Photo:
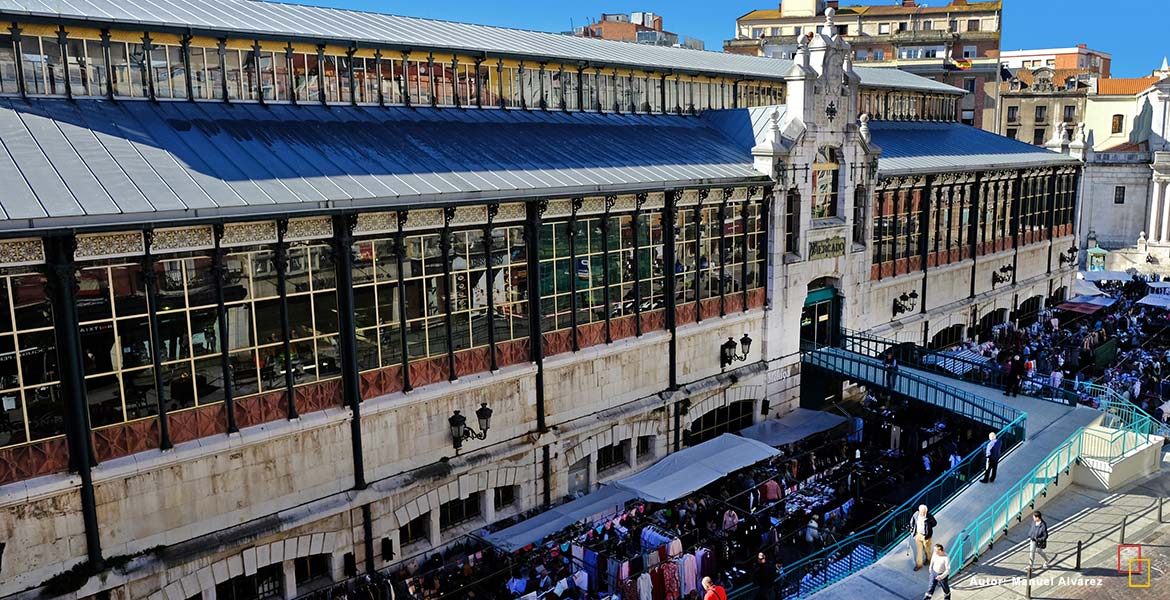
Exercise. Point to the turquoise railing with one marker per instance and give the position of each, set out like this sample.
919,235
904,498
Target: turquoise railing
1129,429
862,548
872,371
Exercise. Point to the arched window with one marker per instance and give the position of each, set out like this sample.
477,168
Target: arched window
1118,123
826,182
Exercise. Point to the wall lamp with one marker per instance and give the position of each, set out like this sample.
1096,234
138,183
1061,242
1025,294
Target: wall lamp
1003,275
905,303
461,432
727,354
1069,256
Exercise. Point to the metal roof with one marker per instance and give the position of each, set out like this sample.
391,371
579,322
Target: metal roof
917,147
746,126
250,18
96,163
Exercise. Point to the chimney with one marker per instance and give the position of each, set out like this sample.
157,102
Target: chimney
908,4
1082,46
657,23
833,4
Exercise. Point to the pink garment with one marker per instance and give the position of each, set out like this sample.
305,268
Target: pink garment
690,571
771,491
730,520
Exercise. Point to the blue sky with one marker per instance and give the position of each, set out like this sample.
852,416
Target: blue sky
1133,31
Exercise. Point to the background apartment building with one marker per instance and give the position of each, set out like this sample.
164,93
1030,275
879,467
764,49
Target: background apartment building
640,27
957,44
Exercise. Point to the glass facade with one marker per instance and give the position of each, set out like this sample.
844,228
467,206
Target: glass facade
239,70
31,406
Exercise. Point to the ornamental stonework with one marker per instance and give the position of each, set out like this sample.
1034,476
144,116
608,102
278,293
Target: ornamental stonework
309,228
624,203
425,218
655,200
21,252
381,222
246,234
688,198
592,206
470,215
109,245
558,208
182,238
513,211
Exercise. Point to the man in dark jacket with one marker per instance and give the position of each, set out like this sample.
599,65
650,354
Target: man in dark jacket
991,452
922,526
890,363
1015,375
764,576
1038,540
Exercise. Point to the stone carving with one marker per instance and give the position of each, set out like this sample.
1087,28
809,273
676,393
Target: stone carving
309,228
381,222
429,218
243,234
511,212
22,252
182,238
108,245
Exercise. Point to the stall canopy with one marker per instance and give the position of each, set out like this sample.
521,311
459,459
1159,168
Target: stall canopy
688,470
1161,287
1086,288
669,479
605,502
1158,300
792,427
1086,309
959,362
1106,276
1102,301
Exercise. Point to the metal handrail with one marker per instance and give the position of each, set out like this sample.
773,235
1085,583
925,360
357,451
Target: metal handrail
1132,429
860,549
873,371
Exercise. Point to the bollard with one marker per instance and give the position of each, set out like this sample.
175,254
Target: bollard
1028,584
1078,555
1124,520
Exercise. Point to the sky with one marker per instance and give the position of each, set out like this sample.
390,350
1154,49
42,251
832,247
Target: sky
1133,31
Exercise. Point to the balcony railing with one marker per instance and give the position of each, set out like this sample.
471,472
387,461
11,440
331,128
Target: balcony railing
1125,158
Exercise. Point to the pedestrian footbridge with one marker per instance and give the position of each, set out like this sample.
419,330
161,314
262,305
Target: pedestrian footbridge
1043,437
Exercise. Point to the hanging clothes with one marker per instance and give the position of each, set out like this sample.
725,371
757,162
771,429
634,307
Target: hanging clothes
630,590
645,587
670,579
771,491
675,547
730,520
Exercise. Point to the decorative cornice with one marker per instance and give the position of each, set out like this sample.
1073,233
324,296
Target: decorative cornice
110,245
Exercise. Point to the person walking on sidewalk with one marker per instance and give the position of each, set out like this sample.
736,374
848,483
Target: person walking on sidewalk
922,526
1016,372
991,452
940,573
1038,540
891,365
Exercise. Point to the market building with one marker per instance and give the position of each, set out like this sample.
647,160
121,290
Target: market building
298,292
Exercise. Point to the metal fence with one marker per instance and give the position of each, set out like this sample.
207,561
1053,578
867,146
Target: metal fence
861,549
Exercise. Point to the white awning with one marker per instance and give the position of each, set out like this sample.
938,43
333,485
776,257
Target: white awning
688,470
792,427
1158,300
1106,276
601,504
1094,300
1162,287
1086,288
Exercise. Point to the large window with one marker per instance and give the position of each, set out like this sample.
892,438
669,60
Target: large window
312,312
792,222
459,511
416,530
1118,124
188,332
504,497
253,316
115,343
826,183
264,584
1119,194
31,406
613,456
727,419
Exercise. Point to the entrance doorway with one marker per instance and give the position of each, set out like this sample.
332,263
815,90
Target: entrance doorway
820,321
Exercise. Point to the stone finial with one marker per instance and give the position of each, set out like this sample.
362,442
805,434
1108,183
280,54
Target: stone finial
774,127
1081,135
863,129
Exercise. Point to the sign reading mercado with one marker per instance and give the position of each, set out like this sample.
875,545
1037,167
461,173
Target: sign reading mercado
826,248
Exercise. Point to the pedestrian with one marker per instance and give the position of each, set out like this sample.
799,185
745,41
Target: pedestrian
812,531
1038,540
764,577
713,592
1015,375
922,526
1055,379
891,365
940,573
991,452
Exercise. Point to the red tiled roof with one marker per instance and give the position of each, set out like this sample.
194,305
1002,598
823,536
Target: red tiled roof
1124,86
1128,147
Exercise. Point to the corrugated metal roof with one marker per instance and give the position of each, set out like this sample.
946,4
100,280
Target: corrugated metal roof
251,17
915,147
94,163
